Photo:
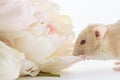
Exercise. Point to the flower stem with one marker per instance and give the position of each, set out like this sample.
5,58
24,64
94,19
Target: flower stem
48,74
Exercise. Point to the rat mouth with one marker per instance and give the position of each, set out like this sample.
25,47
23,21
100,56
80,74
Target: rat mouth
81,55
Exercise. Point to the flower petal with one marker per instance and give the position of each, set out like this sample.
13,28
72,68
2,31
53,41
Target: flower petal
57,64
10,62
29,68
16,15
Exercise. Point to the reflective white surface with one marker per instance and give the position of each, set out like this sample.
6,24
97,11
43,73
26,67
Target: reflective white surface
89,70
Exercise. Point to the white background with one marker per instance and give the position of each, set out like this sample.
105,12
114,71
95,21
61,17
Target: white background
84,12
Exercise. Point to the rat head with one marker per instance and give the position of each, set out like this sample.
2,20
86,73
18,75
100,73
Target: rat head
89,40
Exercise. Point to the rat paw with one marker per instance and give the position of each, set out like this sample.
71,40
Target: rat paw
117,68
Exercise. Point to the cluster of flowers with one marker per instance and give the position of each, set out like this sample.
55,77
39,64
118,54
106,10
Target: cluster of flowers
34,37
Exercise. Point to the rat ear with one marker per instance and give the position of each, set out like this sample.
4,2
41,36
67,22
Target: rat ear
99,31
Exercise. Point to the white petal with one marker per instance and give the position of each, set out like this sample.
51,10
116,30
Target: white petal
66,48
29,68
15,15
47,7
62,25
57,64
10,62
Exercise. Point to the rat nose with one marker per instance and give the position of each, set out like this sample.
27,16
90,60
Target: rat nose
80,54
83,57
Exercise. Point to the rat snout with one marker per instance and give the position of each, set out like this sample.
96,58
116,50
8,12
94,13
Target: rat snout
77,53
80,54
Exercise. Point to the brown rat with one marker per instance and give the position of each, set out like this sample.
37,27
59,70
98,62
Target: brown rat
99,41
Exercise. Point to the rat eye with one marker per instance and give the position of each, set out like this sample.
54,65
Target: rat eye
82,42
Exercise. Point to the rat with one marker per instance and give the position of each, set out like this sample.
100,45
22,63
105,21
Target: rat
99,41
